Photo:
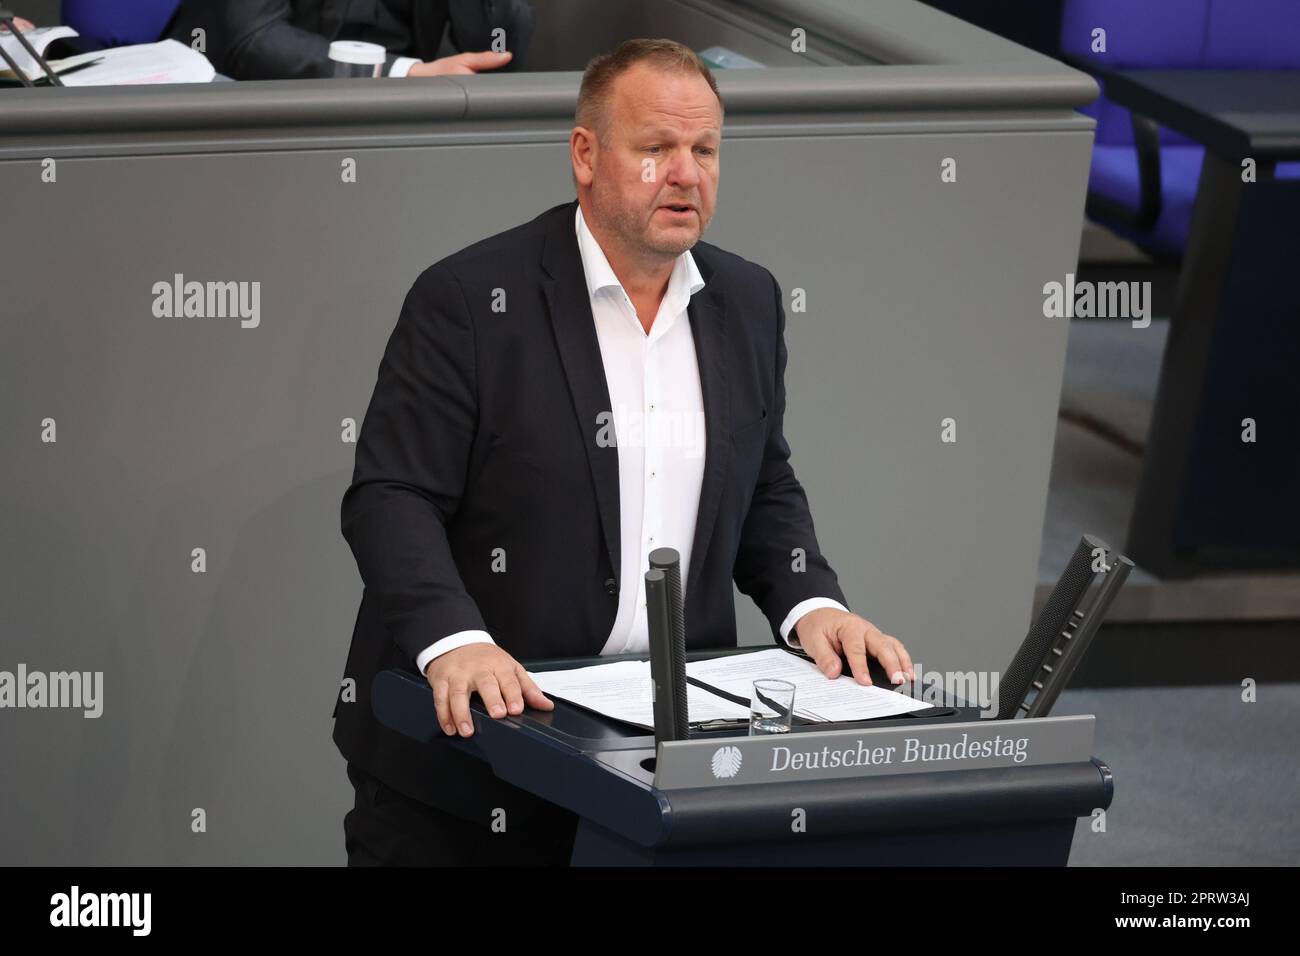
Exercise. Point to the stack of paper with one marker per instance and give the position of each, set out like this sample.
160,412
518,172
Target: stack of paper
623,690
164,62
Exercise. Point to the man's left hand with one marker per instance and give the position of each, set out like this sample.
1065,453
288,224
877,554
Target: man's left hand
828,632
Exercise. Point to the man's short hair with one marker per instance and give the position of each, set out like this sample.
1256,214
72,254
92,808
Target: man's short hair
599,76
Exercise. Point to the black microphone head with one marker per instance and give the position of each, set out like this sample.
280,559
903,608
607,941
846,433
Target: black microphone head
664,558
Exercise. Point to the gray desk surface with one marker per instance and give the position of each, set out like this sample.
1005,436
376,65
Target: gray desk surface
1235,113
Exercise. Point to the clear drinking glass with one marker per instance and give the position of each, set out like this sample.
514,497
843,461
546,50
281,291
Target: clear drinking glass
771,707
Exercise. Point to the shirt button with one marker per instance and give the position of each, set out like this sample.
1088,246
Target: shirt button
611,586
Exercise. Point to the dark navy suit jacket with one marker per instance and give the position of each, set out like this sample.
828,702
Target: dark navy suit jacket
482,434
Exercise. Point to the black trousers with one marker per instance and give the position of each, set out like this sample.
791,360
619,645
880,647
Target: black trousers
387,828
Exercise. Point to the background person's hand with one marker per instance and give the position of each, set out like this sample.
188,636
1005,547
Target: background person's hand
488,670
22,25
461,63
827,632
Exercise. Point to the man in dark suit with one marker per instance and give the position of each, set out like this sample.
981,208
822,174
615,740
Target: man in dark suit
495,514
289,39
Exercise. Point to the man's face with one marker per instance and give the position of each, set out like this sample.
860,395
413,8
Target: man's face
661,151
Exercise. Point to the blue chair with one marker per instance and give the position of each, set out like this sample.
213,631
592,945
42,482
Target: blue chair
1143,179
119,22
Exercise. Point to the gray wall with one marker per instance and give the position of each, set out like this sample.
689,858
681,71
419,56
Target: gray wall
924,301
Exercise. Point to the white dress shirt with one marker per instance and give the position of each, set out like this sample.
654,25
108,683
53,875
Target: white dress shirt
402,66
658,425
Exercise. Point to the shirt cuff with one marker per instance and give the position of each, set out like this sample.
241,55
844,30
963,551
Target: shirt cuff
450,643
788,633
402,65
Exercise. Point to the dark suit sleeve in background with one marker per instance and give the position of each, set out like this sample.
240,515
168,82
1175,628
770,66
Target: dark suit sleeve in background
273,39
779,521
472,23
255,40
411,464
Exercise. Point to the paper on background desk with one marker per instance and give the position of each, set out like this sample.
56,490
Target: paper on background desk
621,689
163,62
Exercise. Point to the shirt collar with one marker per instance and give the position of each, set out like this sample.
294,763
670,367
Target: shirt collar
684,282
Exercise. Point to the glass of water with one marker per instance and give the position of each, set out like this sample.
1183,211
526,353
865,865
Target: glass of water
771,707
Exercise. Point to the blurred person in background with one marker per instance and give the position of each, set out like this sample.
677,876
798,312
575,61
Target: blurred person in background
290,39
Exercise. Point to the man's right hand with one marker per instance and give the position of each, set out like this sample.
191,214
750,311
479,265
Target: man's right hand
461,64
497,677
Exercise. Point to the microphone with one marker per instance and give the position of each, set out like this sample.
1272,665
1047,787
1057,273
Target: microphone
666,620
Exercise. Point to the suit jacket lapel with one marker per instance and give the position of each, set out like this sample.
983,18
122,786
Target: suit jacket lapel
707,312
575,336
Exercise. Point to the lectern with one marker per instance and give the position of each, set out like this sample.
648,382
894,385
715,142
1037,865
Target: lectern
643,806
944,785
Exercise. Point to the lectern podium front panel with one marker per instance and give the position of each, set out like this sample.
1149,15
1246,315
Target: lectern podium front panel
605,771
